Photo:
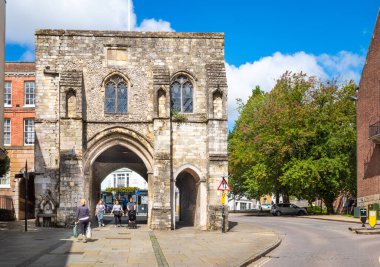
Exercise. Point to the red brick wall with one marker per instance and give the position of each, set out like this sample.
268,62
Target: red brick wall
17,113
18,74
368,113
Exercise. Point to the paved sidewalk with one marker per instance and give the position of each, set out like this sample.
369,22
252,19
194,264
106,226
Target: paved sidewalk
338,218
112,246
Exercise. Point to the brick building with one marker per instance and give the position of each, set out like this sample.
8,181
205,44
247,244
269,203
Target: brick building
2,61
368,125
19,114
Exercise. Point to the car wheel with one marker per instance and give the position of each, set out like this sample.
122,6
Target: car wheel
278,213
301,213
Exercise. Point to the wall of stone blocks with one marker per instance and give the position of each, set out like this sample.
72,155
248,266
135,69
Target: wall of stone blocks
147,62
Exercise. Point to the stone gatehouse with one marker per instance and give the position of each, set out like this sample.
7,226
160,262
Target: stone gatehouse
155,103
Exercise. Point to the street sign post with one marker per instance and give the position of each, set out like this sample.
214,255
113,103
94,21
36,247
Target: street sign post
137,193
223,186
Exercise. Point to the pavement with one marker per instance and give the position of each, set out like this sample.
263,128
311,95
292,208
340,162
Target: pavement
120,246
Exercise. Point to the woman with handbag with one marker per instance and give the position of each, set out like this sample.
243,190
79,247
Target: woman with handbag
83,218
117,211
99,211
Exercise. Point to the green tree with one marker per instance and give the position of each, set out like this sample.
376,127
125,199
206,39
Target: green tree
299,139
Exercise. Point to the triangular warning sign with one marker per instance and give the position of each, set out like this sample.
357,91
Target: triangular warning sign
224,185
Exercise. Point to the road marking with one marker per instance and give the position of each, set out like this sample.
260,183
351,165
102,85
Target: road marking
379,259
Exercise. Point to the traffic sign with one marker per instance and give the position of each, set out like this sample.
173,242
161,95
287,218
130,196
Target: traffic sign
137,192
224,185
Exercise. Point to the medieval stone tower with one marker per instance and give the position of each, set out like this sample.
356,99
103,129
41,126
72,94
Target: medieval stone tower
153,102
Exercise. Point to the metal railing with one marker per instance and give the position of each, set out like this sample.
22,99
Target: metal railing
374,129
6,203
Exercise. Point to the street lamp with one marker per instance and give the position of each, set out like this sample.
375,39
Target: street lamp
25,176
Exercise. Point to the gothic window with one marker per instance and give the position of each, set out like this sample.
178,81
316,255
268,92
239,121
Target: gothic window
116,95
181,91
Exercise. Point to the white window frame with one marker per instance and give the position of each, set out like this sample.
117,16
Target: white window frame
6,178
5,93
10,132
34,132
25,93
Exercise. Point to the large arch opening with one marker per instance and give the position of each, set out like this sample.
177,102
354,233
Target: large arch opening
111,150
117,164
188,202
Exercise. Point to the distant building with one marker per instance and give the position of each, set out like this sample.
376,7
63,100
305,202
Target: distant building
368,125
19,114
237,203
124,178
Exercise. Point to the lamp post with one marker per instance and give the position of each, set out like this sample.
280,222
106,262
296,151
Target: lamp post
113,194
25,176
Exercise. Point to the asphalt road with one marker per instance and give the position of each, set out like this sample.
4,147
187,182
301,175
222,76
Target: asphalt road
308,242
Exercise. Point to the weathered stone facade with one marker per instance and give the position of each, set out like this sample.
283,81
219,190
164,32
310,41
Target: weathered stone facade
78,143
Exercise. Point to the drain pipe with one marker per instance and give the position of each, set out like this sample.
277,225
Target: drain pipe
172,184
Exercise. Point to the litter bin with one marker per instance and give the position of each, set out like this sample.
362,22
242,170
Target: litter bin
363,216
357,212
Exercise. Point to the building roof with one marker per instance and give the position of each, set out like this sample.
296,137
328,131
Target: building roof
20,67
92,33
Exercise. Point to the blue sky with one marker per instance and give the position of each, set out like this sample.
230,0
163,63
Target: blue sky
264,38
257,28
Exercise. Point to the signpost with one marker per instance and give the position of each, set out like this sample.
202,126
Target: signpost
137,193
223,186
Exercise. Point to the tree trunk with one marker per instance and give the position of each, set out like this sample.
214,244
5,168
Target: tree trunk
330,207
277,197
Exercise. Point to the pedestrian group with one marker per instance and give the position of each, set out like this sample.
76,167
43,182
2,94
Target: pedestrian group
83,216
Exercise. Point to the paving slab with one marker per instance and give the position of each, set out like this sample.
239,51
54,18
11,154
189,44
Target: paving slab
109,246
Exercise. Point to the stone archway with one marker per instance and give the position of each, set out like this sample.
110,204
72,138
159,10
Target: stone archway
111,150
188,184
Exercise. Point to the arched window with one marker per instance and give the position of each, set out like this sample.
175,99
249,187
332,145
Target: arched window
71,104
181,91
116,95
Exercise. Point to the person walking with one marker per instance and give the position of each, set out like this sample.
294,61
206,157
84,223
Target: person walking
83,218
131,207
99,211
117,211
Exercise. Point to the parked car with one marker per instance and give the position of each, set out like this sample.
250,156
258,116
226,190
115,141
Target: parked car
287,209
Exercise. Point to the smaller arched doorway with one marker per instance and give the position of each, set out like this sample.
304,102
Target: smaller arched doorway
187,183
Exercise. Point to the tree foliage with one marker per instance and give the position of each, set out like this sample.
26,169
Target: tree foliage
299,140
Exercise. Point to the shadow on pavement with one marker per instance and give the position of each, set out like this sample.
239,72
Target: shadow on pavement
232,224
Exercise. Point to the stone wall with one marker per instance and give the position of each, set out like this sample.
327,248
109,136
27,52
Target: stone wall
80,63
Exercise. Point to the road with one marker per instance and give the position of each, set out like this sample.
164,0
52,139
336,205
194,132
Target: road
308,242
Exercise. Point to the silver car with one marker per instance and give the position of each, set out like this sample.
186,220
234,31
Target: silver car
287,209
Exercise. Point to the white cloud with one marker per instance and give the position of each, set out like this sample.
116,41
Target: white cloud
152,25
265,71
25,16
28,56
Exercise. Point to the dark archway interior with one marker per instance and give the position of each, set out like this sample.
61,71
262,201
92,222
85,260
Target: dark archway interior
187,185
112,159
